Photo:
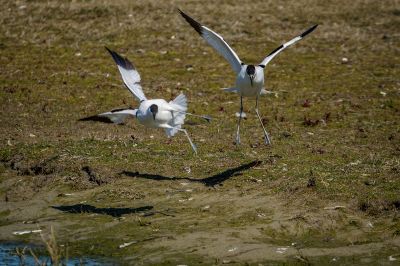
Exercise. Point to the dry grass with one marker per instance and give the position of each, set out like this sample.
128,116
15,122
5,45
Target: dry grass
334,125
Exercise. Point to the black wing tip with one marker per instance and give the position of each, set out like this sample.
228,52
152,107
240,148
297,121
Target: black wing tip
309,30
121,61
112,53
108,49
196,25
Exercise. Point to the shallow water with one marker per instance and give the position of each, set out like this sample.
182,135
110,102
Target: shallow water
8,257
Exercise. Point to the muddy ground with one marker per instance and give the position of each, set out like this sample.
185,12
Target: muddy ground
326,192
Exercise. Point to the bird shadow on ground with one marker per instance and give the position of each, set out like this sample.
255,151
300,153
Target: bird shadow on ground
210,181
114,212
96,118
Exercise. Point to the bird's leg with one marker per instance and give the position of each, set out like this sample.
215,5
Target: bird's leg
267,140
205,117
190,141
240,118
173,118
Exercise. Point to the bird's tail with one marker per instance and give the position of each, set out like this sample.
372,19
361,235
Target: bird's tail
179,104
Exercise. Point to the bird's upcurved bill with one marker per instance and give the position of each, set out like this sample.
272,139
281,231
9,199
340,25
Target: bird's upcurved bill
251,79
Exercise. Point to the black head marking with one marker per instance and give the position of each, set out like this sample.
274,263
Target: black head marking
250,70
154,110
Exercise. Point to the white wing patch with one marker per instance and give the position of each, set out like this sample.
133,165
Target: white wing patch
219,44
118,117
129,74
216,41
179,104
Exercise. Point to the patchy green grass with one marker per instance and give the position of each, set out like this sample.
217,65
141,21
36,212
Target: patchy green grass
334,125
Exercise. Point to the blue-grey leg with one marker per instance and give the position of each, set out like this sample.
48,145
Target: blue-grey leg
240,118
190,140
267,140
186,133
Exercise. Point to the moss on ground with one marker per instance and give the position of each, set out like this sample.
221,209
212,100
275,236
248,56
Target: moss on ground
333,117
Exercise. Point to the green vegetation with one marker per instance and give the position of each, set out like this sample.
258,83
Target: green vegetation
333,118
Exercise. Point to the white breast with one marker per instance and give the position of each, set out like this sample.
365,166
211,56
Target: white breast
145,116
244,85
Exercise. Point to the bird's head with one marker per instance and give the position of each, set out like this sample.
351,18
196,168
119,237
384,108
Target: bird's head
251,72
154,109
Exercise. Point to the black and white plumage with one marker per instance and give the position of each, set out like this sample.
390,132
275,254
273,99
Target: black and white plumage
116,116
129,74
154,113
249,78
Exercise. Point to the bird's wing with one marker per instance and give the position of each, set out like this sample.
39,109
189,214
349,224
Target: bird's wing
179,103
287,44
129,74
216,41
117,116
